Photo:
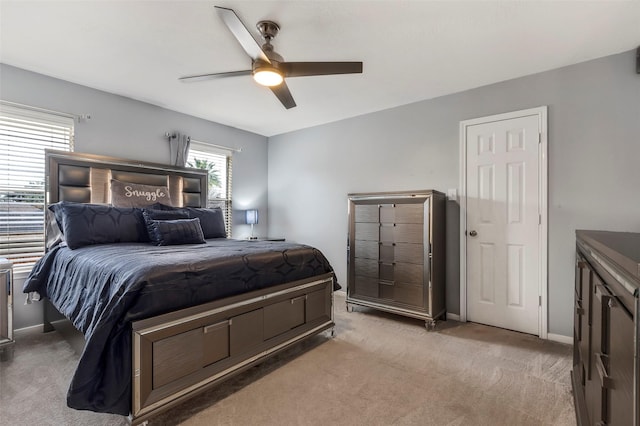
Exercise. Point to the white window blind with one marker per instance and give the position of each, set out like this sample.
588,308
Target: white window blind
24,135
218,162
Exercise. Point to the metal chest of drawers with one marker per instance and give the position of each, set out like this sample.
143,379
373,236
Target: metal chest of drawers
396,253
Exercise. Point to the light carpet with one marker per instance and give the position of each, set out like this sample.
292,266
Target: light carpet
380,369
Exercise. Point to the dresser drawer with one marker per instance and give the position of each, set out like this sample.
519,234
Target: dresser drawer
409,294
366,267
368,231
401,233
366,249
366,213
404,272
367,287
402,293
409,253
402,253
402,213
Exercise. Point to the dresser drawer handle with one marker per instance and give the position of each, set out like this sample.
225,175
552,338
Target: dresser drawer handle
582,264
579,310
606,381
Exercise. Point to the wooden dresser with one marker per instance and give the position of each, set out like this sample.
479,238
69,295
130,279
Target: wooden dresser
396,252
606,334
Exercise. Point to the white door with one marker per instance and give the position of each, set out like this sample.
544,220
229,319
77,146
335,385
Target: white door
503,218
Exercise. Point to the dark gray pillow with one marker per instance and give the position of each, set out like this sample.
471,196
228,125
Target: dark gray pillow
211,220
156,214
149,215
127,194
88,224
172,232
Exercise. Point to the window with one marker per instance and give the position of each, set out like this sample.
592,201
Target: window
24,135
218,162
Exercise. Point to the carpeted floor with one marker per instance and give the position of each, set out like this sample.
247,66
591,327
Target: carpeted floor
380,369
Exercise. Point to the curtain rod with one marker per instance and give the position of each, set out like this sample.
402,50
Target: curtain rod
77,117
228,148
218,146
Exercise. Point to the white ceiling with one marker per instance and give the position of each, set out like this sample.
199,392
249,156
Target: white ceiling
412,50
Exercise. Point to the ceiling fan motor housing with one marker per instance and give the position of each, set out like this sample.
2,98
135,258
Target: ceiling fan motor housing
268,30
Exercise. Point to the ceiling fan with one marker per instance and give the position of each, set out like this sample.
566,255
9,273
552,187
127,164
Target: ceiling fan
268,67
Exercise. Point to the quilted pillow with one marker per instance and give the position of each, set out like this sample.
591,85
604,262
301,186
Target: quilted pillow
126,194
150,215
156,214
211,220
88,224
171,232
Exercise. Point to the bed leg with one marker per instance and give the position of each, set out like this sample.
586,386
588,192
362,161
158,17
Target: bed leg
332,332
48,315
349,307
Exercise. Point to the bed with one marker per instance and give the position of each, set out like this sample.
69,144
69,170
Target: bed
164,318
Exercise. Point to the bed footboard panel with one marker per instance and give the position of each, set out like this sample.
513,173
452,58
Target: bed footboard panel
181,353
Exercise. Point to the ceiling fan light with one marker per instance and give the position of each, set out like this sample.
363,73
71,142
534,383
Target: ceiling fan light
268,77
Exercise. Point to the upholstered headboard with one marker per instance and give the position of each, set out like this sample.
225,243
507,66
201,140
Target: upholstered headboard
85,178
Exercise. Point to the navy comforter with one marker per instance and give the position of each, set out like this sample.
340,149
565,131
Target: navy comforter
102,288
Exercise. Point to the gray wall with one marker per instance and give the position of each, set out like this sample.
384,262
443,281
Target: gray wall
594,147
122,127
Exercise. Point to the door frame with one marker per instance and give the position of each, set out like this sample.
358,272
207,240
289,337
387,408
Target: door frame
541,112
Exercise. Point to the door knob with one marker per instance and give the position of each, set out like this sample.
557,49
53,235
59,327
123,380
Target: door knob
473,233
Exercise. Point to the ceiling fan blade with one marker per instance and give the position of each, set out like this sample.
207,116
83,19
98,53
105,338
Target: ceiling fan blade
202,77
303,69
240,32
284,95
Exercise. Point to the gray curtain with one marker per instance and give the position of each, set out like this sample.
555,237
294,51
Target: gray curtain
179,149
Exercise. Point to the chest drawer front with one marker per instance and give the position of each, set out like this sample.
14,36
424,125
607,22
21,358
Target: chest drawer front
410,273
408,233
367,287
402,253
366,213
409,253
366,249
366,268
368,231
402,213
401,233
409,294
409,213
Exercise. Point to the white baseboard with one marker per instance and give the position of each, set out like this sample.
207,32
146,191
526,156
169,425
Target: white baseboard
28,329
560,338
454,317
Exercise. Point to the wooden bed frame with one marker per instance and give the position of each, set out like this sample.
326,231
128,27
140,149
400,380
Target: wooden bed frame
180,354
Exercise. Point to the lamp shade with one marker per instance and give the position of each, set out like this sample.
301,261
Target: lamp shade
252,217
